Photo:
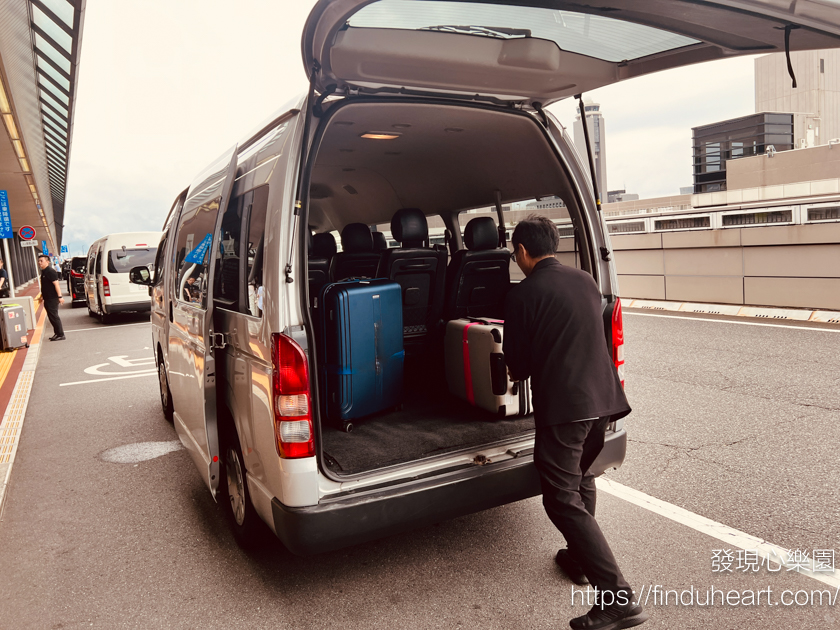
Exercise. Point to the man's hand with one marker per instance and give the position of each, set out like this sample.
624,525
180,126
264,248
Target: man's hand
510,376
60,300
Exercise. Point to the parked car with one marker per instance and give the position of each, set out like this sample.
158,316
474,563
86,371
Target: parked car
76,280
110,258
433,106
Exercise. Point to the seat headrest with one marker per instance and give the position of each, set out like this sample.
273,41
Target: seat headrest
323,246
379,242
481,234
356,239
409,227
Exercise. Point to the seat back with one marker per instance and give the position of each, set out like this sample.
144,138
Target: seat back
420,271
322,248
478,278
357,258
379,242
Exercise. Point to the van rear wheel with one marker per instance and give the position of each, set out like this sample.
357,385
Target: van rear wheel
248,529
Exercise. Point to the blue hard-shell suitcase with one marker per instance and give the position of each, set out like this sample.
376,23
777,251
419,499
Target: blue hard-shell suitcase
361,348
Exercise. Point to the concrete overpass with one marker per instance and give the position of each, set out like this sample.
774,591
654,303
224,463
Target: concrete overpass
40,43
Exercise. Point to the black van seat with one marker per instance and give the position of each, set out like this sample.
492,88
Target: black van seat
357,259
478,278
420,271
321,250
379,242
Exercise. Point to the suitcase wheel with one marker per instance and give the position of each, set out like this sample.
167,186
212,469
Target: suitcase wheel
347,427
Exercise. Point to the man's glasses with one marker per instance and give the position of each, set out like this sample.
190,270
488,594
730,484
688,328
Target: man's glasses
513,256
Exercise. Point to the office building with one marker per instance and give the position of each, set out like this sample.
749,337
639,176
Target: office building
736,138
815,100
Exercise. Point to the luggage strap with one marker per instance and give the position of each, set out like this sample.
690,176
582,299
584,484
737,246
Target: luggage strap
467,371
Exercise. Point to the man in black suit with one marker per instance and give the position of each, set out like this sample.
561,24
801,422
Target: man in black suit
554,335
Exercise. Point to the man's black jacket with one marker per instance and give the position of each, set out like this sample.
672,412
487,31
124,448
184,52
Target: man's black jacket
554,334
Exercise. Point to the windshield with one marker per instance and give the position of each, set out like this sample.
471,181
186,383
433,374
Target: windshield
122,260
592,35
78,264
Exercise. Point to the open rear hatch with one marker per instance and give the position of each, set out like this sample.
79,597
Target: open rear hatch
542,50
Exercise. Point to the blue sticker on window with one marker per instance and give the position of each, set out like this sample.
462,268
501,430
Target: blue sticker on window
198,255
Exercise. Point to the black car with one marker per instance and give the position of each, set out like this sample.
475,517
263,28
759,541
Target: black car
65,269
76,280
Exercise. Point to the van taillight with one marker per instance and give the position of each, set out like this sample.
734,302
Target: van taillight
618,340
290,393
106,288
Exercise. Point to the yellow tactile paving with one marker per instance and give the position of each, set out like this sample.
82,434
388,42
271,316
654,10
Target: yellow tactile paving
13,420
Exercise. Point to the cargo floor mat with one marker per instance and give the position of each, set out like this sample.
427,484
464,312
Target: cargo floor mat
427,425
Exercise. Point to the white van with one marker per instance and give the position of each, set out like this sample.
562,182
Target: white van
110,258
436,106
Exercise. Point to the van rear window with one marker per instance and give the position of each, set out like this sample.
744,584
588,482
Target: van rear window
78,264
122,260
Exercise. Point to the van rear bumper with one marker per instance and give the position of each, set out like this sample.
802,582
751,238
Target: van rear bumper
128,307
356,519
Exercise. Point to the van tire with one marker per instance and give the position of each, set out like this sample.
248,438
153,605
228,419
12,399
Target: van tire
248,530
105,318
165,393
90,312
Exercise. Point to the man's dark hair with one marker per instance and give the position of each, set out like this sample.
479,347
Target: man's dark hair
538,235
43,256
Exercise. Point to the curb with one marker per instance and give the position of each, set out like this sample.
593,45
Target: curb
12,423
761,312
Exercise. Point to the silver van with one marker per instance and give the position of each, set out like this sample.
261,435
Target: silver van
437,106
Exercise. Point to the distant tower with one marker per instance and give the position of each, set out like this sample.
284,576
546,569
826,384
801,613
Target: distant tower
597,137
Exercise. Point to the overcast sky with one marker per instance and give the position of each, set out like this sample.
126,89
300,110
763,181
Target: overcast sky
167,86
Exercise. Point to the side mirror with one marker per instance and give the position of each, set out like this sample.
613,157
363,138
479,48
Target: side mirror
140,275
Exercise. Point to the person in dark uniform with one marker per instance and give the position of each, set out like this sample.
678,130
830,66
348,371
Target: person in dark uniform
51,292
554,335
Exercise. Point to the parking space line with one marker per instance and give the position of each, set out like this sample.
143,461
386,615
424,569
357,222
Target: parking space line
728,321
728,535
67,330
111,378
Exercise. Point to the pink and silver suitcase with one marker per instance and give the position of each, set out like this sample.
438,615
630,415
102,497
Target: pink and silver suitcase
476,370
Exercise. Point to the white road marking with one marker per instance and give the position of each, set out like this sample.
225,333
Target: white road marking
139,452
122,361
728,535
113,378
727,321
67,330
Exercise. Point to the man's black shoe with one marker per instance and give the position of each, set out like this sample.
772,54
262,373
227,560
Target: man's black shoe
571,568
612,617
58,338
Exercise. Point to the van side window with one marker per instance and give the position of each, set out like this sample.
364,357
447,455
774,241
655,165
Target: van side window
193,252
97,269
255,244
228,267
159,260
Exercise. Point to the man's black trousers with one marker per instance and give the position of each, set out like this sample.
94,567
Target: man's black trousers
563,453
52,313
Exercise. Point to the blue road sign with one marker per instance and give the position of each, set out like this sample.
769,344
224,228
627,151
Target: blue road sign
5,216
44,248
65,249
27,232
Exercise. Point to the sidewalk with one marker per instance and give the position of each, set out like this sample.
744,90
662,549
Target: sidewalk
17,371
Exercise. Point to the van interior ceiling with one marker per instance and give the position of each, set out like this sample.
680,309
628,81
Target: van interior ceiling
375,158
